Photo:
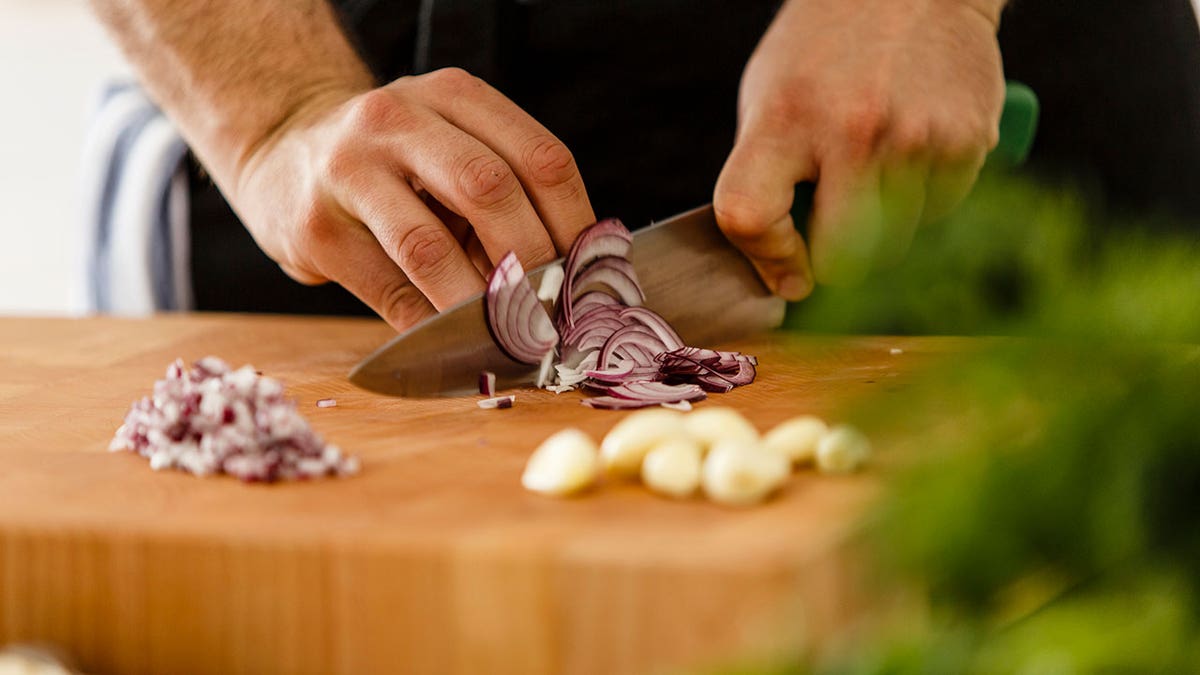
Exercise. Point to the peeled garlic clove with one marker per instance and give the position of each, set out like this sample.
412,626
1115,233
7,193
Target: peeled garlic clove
713,425
739,474
563,464
673,468
796,438
629,440
842,450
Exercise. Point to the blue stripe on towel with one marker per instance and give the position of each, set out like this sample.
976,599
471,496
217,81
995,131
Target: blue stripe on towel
101,295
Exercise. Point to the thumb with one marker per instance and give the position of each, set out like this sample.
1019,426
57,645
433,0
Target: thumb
753,201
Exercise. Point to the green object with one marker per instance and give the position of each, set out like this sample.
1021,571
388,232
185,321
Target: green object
1018,128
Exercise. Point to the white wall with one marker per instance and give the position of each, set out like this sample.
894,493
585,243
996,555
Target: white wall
53,59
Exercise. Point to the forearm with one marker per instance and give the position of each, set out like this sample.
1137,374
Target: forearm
232,72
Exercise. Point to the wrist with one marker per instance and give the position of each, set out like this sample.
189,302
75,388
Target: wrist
304,107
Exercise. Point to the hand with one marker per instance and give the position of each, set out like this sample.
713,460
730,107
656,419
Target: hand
409,193
890,106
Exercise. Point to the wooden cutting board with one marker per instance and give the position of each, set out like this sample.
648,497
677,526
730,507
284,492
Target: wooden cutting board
433,559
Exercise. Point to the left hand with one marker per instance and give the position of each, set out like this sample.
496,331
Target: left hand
890,106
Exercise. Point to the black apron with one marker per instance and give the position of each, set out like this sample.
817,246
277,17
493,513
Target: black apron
644,93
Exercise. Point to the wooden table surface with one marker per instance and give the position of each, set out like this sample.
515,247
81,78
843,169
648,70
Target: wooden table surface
433,559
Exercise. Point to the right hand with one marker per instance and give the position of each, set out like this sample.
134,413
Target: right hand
408,194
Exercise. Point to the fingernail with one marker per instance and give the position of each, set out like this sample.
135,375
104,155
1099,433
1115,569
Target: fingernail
794,287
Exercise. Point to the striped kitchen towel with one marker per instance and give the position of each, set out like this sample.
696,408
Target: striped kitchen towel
135,209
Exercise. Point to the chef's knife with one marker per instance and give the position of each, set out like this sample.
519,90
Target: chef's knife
690,273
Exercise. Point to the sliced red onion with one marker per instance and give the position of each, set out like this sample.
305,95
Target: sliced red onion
496,402
609,342
603,323
629,335
614,403
545,374
656,323
517,320
714,383
606,238
617,373
487,383
211,419
592,299
611,274
657,392
552,280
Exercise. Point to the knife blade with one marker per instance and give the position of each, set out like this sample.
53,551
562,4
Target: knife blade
692,276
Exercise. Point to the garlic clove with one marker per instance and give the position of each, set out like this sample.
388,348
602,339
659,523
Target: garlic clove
712,425
563,464
626,444
741,474
673,468
842,450
796,438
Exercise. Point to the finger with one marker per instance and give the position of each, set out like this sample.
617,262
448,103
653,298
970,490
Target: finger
543,165
847,225
949,184
902,187
477,255
351,256
413,237
469,178
753,200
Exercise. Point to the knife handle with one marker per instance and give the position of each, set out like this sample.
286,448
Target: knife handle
1018,128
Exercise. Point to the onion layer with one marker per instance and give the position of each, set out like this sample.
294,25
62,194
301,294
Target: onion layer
517,320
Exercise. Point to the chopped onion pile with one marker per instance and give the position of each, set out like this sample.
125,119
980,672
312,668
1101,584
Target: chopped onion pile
601,337
212,419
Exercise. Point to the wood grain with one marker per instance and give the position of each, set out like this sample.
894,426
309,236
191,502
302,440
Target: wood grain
433,559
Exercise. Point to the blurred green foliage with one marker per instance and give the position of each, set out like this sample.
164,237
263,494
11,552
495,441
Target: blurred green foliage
1047,507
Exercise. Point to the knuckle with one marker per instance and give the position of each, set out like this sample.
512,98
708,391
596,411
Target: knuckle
740,215
452,80
540,254
911,137
864,122
316,230
400,303
785,110
486,181
424,251
379,110
964,141
549,162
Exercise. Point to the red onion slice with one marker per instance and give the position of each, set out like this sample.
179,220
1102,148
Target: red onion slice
517,320
487,383
657,392
606,238
614,403
617,373
654,322
587,301
629,335
615,275
497,402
